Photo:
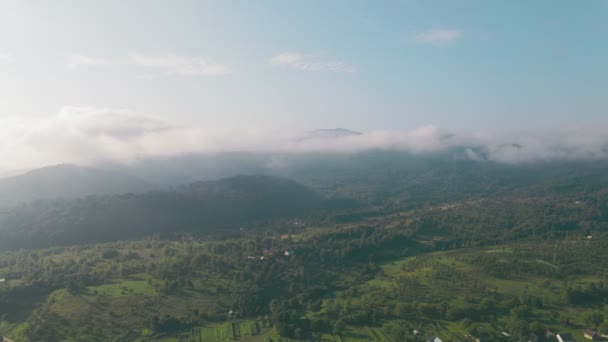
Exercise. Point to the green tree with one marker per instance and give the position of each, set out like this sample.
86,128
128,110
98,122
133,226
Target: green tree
603,328
594,318
518,328
537,327
338,327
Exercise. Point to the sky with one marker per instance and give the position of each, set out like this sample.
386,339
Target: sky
222,67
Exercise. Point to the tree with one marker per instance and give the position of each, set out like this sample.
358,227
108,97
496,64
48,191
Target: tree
537,327
110,253
521,312
73,287
603,328
338,327
400,310
594,318
518,328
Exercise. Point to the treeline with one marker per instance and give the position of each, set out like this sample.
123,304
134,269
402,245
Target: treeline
595,294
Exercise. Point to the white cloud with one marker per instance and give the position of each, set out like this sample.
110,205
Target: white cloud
310,62
5,57
82,60
288,58
85,135
168,64
88,134
568,144
439,37
180,65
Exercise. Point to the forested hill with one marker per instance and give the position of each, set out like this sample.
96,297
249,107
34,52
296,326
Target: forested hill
203,207
67,181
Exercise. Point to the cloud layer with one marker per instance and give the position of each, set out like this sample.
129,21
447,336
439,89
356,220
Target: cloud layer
168,64
87,135
310,62
439,37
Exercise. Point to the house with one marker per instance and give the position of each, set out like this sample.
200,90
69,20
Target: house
2,281
592,335
505,334
565,338
434,339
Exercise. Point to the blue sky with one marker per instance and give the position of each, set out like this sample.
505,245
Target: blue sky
460,65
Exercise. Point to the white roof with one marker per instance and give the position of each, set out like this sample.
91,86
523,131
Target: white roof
437,339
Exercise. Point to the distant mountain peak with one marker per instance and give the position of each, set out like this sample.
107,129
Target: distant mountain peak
328,133
338,131
57,168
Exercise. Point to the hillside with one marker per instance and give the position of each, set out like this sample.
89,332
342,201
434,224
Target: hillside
66,181
202,208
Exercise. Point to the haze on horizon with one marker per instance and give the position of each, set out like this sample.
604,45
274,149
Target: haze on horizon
117,80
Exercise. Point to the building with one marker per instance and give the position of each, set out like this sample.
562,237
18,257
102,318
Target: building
434,339
592,335
565,338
